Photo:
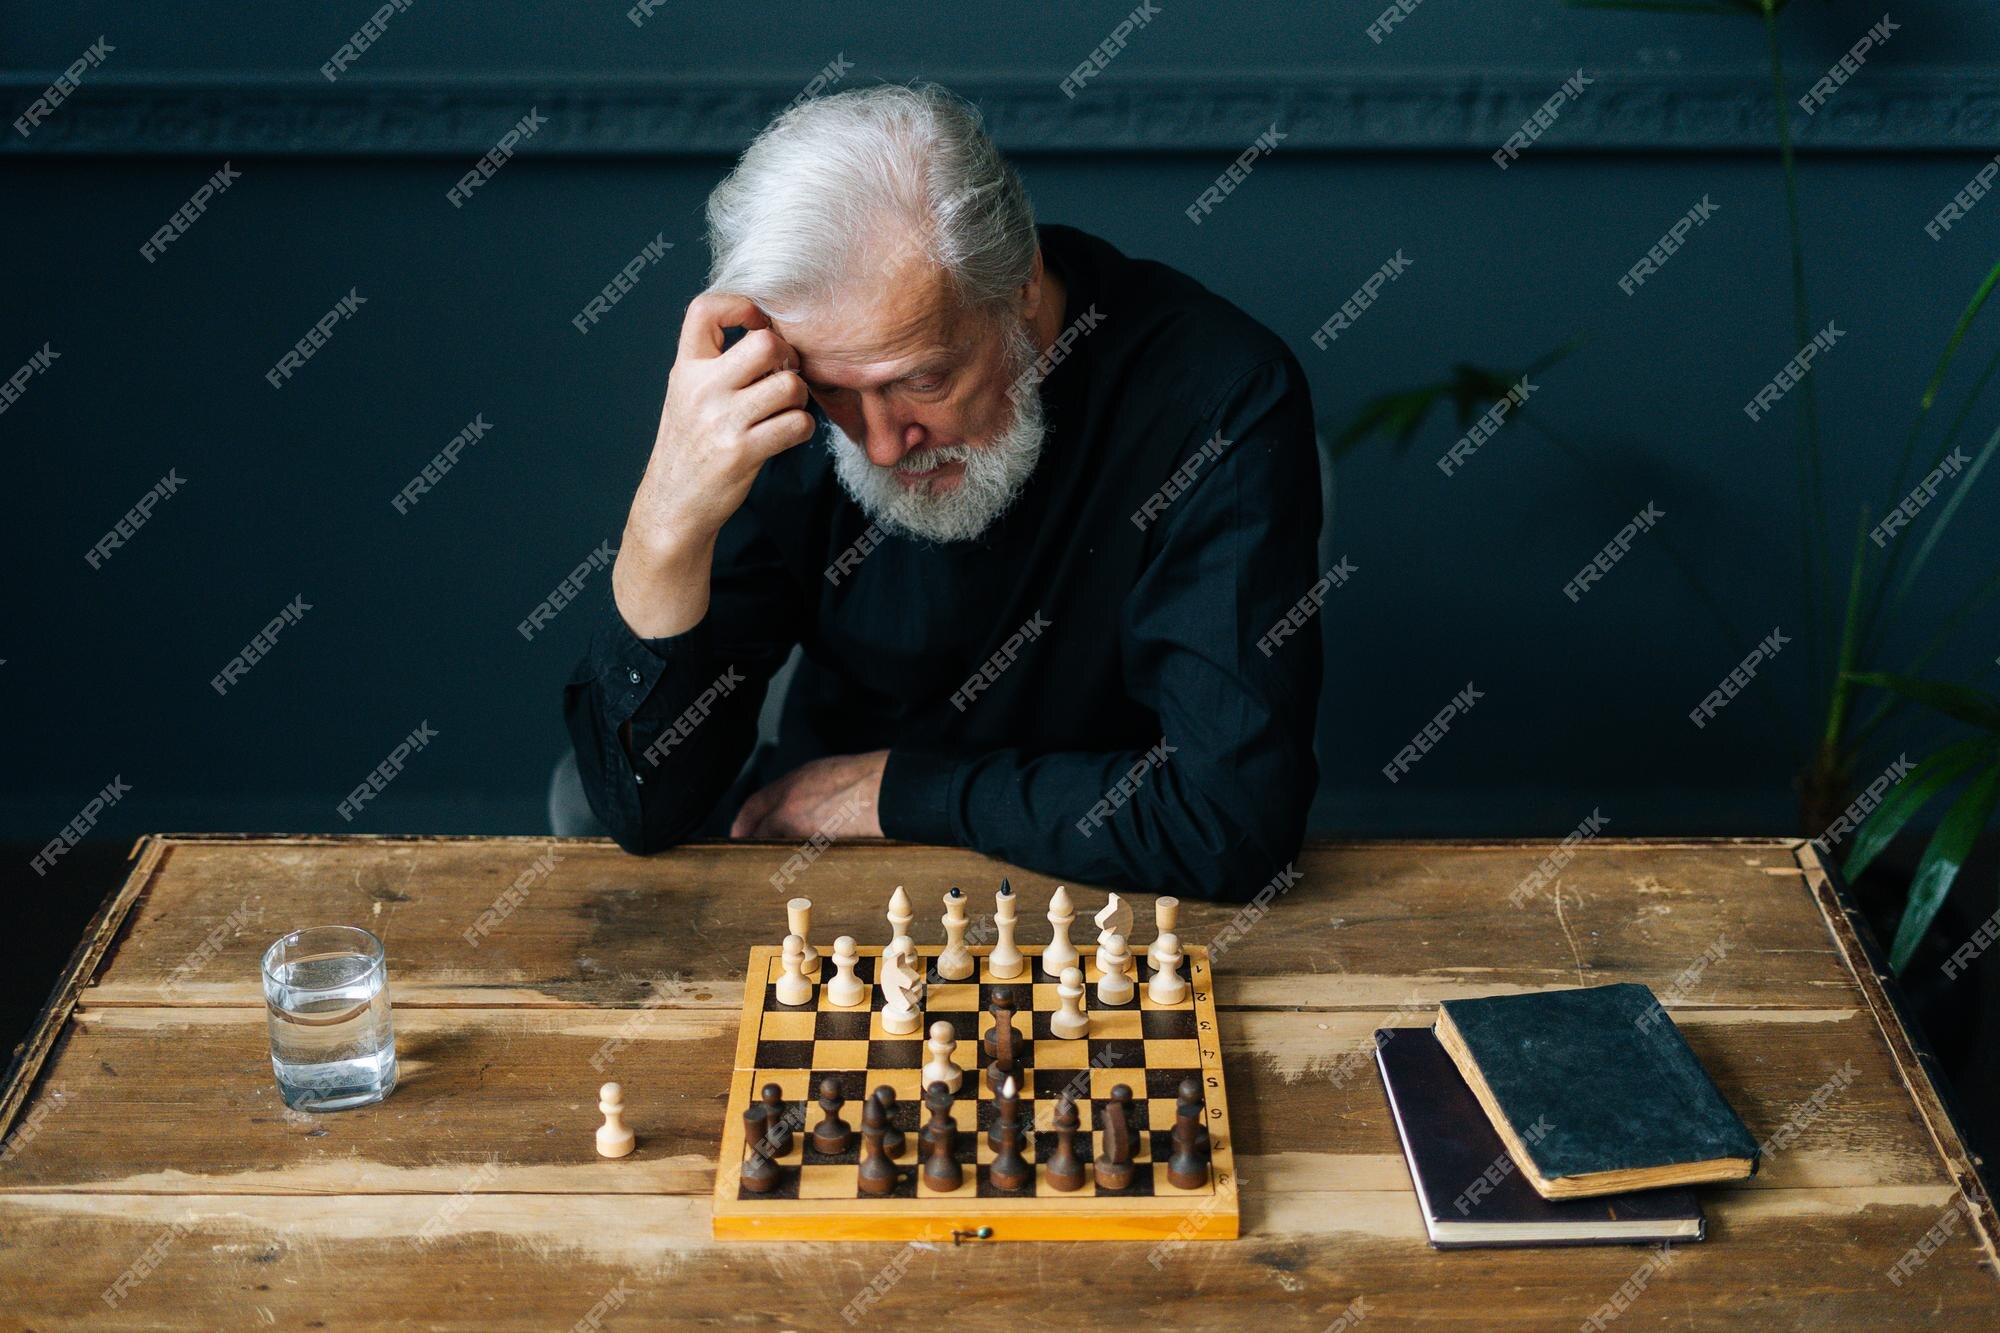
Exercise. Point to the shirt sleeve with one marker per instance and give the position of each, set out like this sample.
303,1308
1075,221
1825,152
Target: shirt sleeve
661,727
1218,641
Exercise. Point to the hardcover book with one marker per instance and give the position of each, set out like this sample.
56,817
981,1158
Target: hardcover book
1593,1091
1468,1187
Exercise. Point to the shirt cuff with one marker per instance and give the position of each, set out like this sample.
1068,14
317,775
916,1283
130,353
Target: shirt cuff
917,796
627,667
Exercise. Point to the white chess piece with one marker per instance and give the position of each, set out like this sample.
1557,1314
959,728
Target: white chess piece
1166,920
1115,985
955,963
901,990
1114,918
613,1138
846,990
1061,954
901,958
1005,960
798,919
1167,987
1070,1022
900,915
793,987
942,1069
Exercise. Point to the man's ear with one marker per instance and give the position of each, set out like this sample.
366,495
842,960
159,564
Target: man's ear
1033,290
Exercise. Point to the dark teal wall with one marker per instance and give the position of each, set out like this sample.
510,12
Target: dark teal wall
287,492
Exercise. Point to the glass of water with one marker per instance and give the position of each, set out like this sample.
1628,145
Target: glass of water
326,994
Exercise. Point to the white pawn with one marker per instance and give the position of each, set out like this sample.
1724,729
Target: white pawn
846,990
1167,920
1114,918
955,963
798,919
900,915
1166,987
942,1068
1070,1022
1114,986
902,990
1061,954
613,1138
1005,960
793,987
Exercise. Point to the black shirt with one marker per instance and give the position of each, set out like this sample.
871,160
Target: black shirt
1091,689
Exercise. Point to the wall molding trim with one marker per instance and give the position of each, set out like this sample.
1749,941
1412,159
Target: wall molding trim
1325,111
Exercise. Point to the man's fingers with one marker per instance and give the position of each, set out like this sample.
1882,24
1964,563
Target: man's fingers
708,315
768,397
754,809
757,354
781,432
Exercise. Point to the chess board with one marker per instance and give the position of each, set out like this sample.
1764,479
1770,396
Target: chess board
1149,1047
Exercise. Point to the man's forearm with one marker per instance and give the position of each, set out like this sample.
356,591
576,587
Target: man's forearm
662,589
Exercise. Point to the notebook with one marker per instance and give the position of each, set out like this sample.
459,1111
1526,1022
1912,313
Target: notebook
1593,1091
1467,1186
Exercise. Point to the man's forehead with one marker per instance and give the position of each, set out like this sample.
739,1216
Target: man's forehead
880,326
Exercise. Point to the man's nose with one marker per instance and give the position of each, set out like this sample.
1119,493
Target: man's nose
889,437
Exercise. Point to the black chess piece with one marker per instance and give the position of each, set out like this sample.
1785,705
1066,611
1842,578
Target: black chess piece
1191,1099
777,1123
831,1135
1114,1164
941,1169
1007,1111
1187,1168
1010,1170
877,1172
892,1137
1003,1043
1065,1168
937,1099
760,1173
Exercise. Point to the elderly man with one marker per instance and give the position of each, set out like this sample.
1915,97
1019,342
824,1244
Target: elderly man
1058,503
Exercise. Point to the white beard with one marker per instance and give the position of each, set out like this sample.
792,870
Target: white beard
995,472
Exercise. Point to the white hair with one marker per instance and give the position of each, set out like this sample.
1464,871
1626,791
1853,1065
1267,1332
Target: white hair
833,181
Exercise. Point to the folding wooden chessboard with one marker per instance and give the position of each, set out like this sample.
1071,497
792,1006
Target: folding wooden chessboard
1148,1047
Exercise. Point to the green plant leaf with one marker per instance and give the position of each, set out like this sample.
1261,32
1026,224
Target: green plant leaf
1961,702
1947,851
1958,336
1471,389
1932,774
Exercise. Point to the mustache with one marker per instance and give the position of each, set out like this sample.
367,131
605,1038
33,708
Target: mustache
934,457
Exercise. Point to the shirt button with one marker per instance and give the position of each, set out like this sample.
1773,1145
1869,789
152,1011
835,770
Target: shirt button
638,779
632,674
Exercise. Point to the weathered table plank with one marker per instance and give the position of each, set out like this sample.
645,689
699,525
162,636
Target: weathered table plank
150,1142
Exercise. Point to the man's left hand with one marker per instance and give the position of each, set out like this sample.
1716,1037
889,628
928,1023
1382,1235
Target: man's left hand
835,796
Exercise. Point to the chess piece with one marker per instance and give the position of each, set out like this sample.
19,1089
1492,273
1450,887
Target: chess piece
1115,986
900,915
1065,1168
1005,960
793,987
892,1134
1002,1044
902,996
846,990
831,1135
877,1174
777,1122
1166,987
1114,918
760,1173
1010,1170
1069,1021
1060,953
1188,1167
798,920
1166,920
955,963
937,1098
613,1138
941,1068
1114,1164
941,1168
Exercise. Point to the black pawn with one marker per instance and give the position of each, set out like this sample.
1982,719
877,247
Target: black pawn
937,1100
777,1123
1192,1103
831,1135
878,1173
941,1169
1187,1168
1114,1164
760,1173
892,1137
1065,1169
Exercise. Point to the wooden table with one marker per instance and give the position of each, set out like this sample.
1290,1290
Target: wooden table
148,1143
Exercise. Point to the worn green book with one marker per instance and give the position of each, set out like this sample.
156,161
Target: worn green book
1594,1091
